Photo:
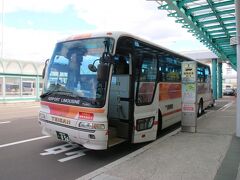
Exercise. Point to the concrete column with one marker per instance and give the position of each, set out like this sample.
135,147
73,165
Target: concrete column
237,10
4,89
214,78
220,80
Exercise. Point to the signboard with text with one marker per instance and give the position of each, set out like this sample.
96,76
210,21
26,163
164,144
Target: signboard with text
189,96
189,71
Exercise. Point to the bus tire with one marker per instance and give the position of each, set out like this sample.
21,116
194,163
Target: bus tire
200,108
159,123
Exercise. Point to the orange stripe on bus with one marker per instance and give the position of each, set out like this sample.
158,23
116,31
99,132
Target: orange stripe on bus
69,111
172,112
79,36
170,91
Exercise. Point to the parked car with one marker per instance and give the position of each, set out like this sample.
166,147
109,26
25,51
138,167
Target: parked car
229,92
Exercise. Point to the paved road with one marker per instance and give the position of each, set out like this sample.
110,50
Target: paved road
25,154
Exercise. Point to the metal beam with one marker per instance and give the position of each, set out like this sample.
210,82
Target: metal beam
210,23
218,26
218,17
180,12
207,6
202,23
219,40
207,15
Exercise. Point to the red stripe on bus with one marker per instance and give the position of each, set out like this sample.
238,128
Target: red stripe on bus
172,112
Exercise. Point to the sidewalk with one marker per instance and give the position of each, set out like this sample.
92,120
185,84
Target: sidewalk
211,153
20,104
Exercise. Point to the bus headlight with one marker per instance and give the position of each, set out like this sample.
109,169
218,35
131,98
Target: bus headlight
90,125
146,123
85,125
99,126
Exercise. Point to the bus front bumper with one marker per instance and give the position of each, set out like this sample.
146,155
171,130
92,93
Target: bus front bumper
91,139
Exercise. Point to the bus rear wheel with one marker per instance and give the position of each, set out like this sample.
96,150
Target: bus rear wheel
200,108
159,123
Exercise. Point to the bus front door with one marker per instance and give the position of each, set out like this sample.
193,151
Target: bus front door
146,101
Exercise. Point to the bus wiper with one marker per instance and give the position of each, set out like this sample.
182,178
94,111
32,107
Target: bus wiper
52,92
57,86
46,94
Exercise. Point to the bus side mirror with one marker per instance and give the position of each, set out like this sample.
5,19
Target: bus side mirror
102,72
44,69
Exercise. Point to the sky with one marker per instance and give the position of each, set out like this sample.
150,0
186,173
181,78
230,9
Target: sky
31,28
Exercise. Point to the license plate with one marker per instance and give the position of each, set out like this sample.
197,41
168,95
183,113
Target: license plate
63,136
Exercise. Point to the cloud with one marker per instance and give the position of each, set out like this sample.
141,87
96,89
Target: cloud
28,44
139,17
53,6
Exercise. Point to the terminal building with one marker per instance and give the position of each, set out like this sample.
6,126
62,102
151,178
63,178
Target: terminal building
20,80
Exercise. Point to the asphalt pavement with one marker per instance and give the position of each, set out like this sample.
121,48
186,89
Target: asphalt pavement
26,154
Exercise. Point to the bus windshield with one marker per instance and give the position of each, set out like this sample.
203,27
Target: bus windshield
68,79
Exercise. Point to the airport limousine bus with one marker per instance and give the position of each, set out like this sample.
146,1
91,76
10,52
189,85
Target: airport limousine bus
105,88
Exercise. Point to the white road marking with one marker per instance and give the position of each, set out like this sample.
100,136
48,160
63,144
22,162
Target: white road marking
226,106
64,148
59,149
73,155
20,142
5,122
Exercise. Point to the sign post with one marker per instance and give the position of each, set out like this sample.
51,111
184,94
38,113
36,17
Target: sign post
189,96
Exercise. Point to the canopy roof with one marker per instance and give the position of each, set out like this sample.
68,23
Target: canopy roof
211,21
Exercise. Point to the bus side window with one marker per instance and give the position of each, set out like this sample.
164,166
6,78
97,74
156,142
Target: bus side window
200,75
169,69
161,69
207,74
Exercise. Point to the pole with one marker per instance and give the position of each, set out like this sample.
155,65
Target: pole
237,10
214,78
219,80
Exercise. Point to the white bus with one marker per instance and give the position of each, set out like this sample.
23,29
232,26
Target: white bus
105,88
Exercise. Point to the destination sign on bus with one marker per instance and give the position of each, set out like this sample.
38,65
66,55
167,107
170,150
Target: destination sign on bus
64,100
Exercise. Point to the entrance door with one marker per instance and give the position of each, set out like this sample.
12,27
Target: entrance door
146,106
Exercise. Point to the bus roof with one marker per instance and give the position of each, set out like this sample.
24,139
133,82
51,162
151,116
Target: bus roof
117,34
